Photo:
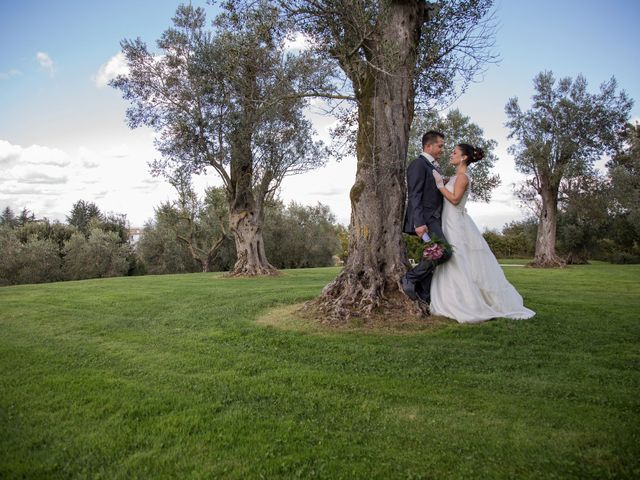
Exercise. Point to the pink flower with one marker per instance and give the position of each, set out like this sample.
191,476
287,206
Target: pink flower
433,251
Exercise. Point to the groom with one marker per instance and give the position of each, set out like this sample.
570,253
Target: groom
424,209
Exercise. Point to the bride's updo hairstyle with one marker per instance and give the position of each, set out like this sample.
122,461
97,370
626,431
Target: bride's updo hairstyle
472,153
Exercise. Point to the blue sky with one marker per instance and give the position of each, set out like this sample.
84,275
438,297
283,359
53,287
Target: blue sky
63,135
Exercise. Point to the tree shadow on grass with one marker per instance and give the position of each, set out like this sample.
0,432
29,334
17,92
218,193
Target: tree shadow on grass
295,318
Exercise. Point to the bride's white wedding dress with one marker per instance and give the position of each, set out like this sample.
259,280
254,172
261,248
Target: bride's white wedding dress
471,286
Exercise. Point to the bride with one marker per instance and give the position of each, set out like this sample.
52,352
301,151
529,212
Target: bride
471,287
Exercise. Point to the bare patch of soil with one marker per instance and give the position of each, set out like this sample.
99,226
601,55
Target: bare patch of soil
301,318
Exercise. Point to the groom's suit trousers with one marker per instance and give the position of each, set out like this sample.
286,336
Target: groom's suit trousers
422,274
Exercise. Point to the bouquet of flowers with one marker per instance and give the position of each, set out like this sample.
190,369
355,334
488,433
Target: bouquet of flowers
434,248
433,251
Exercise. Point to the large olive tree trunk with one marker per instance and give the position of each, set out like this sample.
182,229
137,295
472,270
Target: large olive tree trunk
245,214
545,255
369,282
246,225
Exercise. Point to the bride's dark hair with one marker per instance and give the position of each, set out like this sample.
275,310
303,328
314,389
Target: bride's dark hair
472,153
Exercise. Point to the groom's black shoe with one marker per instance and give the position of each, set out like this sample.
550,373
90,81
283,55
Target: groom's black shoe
409,288
422,297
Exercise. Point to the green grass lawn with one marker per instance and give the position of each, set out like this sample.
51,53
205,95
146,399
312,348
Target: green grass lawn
172,377
515,261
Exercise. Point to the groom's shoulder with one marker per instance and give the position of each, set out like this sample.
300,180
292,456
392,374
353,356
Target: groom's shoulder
419,161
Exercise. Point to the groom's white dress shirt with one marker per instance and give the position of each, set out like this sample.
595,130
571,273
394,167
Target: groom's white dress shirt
431,160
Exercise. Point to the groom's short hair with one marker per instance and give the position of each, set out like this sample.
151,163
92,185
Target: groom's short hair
431,137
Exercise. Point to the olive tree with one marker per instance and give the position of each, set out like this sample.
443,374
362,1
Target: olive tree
228,99
624,171
557,142
199,224
393,56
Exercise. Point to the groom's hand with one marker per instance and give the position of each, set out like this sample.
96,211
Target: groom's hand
421,230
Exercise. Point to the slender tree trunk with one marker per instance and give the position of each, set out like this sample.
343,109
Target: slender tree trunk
203,258
369,283
545,255
203,262
245,216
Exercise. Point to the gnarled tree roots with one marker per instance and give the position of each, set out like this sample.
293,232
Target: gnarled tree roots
366,297
252,271
548,262
257,266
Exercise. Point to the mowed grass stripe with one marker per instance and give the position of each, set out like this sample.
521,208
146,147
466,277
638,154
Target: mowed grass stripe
171,377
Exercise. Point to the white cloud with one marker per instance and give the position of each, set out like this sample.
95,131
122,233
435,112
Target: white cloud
32,176
9,154
48,180
118,151
38,155
32,165
330,192
115,66
35,155
329,185
14,189
36,177
299,42
11,73
86,158
45,62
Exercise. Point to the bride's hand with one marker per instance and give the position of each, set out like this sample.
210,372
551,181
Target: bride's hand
438,178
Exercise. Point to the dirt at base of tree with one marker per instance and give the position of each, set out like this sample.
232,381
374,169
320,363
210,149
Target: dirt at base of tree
305,317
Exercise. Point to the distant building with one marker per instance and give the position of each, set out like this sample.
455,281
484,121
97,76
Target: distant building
134,235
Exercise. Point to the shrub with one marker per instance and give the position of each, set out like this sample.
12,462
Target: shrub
40,262
10,247
623,258
100,255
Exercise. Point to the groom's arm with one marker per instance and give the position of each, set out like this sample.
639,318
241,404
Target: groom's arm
416,178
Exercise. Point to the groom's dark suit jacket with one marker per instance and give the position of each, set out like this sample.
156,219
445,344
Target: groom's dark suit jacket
424,200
